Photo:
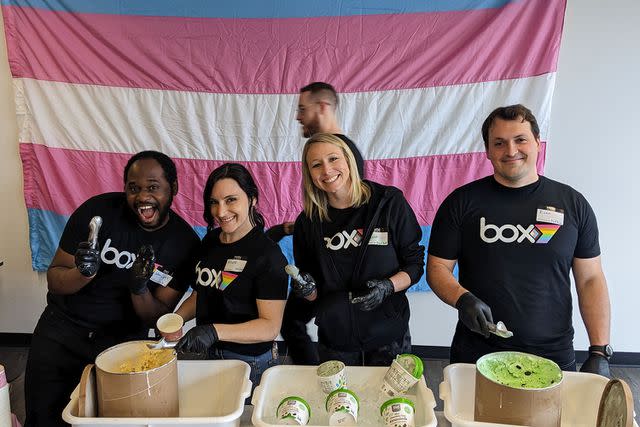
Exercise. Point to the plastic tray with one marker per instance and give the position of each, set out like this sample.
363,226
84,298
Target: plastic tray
581,395
287,380
211,393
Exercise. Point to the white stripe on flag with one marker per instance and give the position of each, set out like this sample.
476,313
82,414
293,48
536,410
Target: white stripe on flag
384,125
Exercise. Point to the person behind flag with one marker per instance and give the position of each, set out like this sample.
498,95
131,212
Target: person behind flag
357,244
516,236
240,283
113,292
316,113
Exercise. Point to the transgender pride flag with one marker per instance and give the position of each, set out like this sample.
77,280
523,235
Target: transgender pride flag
209,82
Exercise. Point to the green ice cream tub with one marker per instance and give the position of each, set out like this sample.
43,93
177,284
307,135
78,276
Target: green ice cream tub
518,388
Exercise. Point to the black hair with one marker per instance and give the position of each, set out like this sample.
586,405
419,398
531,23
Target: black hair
510,112
245,181
322,89
168,167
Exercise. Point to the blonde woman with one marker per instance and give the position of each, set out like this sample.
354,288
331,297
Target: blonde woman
358,245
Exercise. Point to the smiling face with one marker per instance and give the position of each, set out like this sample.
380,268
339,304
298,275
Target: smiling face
329,170
513,152
229,206
149,194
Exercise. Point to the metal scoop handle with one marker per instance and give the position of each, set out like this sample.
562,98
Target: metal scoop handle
161,344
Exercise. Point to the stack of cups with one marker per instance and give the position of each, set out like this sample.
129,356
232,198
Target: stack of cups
341,404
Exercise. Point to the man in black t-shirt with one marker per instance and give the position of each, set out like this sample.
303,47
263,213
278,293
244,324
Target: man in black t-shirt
316,113
516,236
112,291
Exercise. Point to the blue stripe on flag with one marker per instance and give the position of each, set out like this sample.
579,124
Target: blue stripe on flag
256,8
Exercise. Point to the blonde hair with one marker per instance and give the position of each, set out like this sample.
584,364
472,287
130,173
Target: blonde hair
316,201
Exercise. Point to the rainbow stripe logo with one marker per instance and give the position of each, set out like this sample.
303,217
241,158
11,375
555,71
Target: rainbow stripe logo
547,231
227,278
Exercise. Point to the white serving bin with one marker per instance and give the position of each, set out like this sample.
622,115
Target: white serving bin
281,381
581,395
211,393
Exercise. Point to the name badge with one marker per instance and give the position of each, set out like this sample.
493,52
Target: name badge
235,265
379,237
160,277
550,215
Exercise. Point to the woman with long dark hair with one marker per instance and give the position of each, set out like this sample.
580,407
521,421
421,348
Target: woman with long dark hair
240,285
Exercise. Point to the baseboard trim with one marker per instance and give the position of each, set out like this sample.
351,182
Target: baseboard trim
15,339
424,351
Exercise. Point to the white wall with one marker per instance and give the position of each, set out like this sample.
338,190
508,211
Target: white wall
592,146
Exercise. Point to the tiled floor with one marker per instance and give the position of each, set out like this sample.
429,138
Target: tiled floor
15,358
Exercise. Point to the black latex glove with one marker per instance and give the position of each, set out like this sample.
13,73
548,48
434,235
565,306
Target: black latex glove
379,290
596,364
474,314
142,269
304,288
87,259
198,339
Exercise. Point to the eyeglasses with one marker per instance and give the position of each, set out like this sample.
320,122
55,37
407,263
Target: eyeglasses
301,108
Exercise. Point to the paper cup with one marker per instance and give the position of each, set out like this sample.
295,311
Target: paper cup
403,373
170,326
332,376
342,406
398,412
293,410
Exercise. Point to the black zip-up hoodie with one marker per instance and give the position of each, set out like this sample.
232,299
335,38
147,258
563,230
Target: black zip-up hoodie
341,325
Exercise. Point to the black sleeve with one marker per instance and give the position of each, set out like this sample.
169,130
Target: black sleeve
272,283
77,228
185,275
588,244
446,231
302,250
276,233
407,235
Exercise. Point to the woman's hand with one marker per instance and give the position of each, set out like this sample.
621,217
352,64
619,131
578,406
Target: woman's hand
379,290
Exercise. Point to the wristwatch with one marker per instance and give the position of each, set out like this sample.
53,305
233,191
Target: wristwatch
606,349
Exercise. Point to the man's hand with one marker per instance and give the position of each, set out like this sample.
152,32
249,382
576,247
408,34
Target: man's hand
198,339
596,364
87,259
141,270
379,290
304,286
474,314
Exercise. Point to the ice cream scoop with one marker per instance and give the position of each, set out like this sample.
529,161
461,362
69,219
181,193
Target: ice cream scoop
500,329
161,344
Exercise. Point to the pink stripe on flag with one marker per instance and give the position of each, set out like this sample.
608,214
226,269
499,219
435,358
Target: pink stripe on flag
59,180
355,53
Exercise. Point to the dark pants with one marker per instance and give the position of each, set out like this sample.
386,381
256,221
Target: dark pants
59,352
382,356
468,347
297,313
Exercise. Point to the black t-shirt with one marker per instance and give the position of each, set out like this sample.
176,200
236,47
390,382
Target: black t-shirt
515,248
231,277
105,302
342,237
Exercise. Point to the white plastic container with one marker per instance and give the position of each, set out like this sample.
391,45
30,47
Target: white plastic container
211,393
581,395
286,380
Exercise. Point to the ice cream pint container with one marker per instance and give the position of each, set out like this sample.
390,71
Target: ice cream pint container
398,412
519,389
293,410
332,375
404,372
342,406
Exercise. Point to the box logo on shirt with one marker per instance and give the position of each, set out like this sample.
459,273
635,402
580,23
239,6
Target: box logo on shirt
509,233
121,259
343,239
210,277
